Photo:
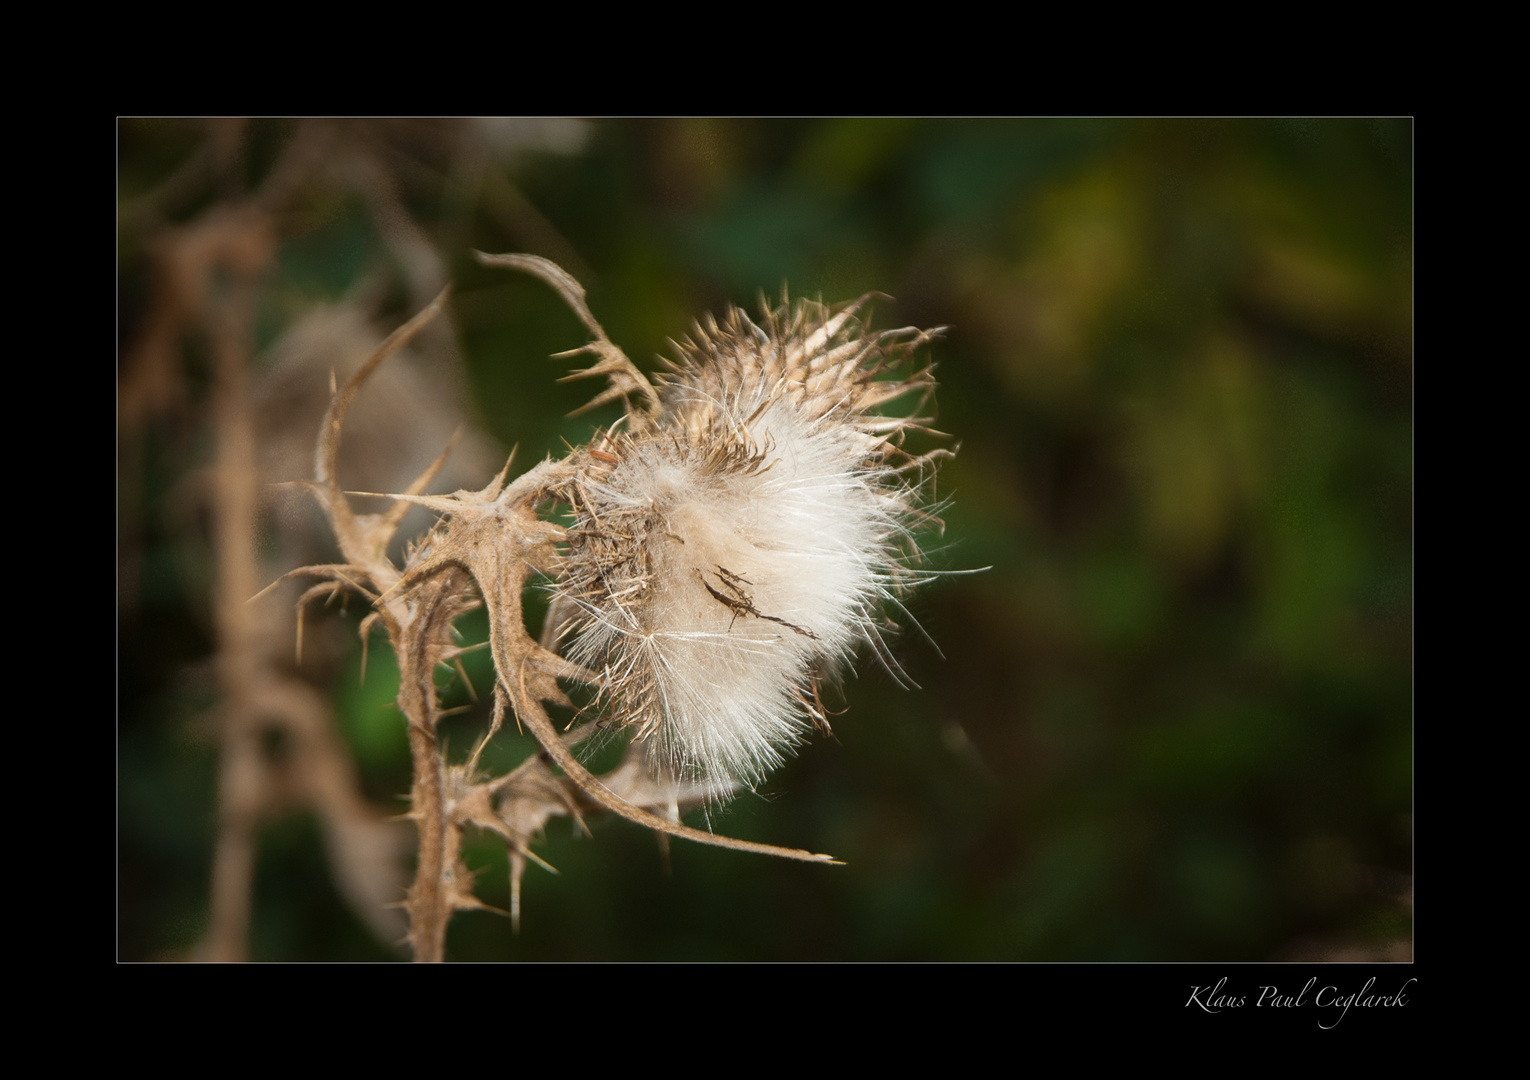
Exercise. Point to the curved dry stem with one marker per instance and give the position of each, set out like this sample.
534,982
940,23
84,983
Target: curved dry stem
536,718
358,545
626,379
566,284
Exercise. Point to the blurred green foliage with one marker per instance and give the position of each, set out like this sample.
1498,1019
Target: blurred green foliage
1172,721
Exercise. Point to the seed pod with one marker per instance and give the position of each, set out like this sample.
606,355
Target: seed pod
742,542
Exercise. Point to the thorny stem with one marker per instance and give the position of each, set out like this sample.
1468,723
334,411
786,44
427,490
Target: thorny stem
430,904
415,626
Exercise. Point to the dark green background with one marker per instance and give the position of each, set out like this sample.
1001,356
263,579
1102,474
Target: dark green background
1172,721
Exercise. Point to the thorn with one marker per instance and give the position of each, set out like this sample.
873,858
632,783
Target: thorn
543,863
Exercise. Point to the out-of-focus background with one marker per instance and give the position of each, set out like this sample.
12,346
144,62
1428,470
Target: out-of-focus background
1172,721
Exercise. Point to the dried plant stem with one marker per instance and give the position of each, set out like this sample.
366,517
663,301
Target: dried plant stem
419,628
429,905
216,266
425,640
239,245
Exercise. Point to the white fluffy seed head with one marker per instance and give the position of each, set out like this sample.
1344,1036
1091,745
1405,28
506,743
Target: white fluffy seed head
737,547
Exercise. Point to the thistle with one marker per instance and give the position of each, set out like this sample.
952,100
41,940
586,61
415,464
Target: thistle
737,536
735,546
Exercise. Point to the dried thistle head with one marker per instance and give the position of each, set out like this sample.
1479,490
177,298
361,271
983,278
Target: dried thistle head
736,537
739,541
